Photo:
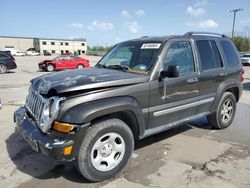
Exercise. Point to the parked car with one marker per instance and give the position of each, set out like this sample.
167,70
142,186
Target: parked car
64,62
7,62
139,88
19,53
245,59
14,52
32,53
46,53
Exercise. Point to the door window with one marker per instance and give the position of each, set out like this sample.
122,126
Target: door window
209,55
180,53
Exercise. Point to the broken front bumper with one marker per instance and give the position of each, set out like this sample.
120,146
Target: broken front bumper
47,144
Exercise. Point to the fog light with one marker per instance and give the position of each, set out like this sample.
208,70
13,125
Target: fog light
67,150
63,127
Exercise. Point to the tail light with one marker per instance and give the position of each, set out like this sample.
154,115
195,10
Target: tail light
242,75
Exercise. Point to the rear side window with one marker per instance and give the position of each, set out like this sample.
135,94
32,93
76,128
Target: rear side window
209,55
230,53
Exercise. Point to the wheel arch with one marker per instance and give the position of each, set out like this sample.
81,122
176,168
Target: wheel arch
231,85
125,108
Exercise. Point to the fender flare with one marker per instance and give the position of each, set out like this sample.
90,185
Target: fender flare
230,83
86,112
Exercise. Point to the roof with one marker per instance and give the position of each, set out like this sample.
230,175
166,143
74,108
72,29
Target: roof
58,39
154,38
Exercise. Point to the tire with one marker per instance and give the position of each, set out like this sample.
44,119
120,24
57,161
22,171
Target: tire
80,66
112,142
219,119
50,68
3,68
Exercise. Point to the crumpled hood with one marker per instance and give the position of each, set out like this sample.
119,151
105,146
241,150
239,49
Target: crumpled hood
84,79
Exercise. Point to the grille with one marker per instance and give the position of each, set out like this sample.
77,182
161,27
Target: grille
35,103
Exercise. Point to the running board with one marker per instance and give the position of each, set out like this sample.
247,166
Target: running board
163,128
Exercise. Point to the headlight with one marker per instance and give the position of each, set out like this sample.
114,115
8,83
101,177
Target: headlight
49,112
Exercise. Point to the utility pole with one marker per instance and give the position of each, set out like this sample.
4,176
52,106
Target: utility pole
234,11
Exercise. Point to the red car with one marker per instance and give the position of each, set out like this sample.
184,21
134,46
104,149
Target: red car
64,62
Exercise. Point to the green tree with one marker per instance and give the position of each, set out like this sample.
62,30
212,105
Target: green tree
242,43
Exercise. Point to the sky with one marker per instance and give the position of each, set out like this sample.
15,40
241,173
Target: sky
106,22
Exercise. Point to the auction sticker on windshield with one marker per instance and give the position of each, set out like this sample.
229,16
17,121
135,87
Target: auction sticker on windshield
151,46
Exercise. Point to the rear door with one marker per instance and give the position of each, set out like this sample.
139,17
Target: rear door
174,99
212,72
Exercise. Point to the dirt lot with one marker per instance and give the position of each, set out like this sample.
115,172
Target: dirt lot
193,155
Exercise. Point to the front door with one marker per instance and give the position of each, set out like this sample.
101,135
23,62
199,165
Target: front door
174,99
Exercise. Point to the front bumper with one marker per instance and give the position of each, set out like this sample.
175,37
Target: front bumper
41,66
47,144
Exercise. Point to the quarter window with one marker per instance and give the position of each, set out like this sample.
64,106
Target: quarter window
231,56
180,53
209,55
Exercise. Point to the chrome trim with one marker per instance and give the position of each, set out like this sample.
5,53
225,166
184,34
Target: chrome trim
182,107
35,104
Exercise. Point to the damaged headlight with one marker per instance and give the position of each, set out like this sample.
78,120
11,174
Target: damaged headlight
49,112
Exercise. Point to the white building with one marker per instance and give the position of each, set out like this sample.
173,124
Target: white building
60,46
54,46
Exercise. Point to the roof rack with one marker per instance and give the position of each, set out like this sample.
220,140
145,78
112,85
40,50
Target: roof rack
204,33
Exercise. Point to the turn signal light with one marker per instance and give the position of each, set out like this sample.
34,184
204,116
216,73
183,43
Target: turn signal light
63,127
67,150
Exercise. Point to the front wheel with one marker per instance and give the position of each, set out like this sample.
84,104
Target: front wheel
105,150
224,115
50,68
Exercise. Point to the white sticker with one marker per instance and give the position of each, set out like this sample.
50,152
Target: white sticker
151,46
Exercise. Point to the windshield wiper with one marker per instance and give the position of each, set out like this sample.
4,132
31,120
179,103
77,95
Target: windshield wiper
122,67
101,65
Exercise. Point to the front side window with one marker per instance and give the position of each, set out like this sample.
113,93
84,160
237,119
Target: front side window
180,53
209,55
132,57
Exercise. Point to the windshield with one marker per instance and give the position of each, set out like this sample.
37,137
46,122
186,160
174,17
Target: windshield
131,57
56,58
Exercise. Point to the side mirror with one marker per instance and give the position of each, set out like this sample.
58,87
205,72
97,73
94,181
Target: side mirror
171,71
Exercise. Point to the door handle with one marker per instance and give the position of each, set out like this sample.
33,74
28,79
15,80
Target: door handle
192,80
222,74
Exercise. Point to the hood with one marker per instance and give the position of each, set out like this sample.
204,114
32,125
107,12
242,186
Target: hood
84,79
45,61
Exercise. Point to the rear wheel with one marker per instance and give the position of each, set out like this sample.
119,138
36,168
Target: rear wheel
224,115
50,68
105,150
3,68
80,66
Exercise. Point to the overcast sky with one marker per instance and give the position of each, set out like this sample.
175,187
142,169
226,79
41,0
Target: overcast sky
105,22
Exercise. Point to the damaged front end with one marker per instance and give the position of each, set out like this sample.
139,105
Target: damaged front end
35,121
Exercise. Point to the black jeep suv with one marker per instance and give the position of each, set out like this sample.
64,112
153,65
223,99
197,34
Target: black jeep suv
139,88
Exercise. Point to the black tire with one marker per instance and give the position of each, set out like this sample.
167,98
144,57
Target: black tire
216,119
50,68
95,133
80,66
3,68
